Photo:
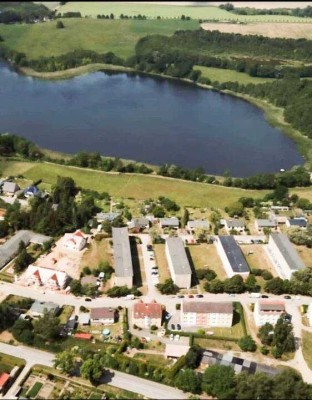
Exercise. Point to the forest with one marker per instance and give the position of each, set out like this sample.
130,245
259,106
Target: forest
305,12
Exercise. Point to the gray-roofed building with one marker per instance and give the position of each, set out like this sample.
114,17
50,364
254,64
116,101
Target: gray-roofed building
101,217
296,222
179,265
283,255
39,307
234,224
10,248
260,224
197,223
122,258
232,257
172,222
139,224
10,188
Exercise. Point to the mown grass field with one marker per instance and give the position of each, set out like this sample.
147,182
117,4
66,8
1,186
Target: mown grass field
92,9
228,75
118,36
306,347
206,257
139,187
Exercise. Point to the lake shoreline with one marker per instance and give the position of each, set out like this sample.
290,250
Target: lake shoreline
272,114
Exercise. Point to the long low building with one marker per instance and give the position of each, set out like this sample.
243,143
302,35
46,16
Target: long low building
207,314
283,255
178,262
122,258
232,257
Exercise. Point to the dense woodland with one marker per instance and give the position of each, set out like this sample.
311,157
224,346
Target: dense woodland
294,12
22,11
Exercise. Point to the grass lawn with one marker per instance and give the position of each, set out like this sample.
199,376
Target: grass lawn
161,262
228,75
66,313
118,36
139,187
92,8
216,344
99,251
153,359
307,346
206,256
34,390
258,258
7,362
305,254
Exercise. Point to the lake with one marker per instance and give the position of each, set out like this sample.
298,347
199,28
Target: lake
152,120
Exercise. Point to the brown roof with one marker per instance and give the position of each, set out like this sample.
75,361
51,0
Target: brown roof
102,312
272,305
206,308
152,310
2,212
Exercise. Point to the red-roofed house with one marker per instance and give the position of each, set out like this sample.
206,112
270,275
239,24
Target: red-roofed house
4,379
2,213
85,336
74,241
147,314
40,276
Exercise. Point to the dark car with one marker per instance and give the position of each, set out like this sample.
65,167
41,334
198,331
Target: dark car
287,297
173,327
178,327
88,299
264,296
149,247
180,296
190,296
199,296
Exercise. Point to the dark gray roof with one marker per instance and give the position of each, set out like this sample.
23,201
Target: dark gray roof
122,252
301,222
234,254
288,251
178,256
10,248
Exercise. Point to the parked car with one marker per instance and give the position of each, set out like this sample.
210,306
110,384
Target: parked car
264,296
190,296
168,316
171,336
155,267
178,327
172,327
180,296
199,296
287,297
177,337
88,299
149,247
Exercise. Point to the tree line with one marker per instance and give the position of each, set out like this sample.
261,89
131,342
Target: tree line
21,11
305,12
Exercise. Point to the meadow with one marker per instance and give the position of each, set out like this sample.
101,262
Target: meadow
102,36
92,9
228,75
139,187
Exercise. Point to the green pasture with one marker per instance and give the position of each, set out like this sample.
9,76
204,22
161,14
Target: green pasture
92,9
118,36
139,187
228,75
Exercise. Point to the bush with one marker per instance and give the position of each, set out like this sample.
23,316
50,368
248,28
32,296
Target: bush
154,328
246,343
60,25
178,306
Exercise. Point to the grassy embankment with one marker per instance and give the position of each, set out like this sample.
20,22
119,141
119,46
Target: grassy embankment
306,347
139,187
92,9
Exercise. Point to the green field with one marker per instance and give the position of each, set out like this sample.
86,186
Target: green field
120,37
228,75
92,9
139,187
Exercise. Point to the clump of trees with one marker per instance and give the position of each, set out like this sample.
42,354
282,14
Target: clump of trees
168,287
121,291
15,145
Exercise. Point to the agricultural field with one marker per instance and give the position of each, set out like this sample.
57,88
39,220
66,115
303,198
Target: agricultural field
118,36
168,11
139,187
280,30
228,75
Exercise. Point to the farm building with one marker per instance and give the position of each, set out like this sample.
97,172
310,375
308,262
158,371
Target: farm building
179,265
147,314
75,241
48,277
232,257
283,255
268,311
122,258
198,223
102,315
207,314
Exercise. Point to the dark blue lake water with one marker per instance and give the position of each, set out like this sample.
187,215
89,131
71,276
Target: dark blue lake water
144,119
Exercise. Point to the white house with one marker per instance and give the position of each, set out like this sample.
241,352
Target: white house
283,255
179,265
102,315
197,223
172,222
75,241
51,278
234,224
268,311
207,314
147,314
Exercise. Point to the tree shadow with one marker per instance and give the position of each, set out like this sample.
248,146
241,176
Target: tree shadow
194,280
137,276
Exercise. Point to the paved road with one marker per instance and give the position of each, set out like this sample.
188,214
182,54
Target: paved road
121,380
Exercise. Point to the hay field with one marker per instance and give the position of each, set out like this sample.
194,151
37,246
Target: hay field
280,30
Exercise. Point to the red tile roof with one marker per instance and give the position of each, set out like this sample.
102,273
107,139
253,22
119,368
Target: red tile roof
152,310
2,212
4,377
78,233
102,312
86,336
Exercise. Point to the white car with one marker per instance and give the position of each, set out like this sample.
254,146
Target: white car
177,337
171,336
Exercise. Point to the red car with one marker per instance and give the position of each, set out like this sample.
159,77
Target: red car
190,296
